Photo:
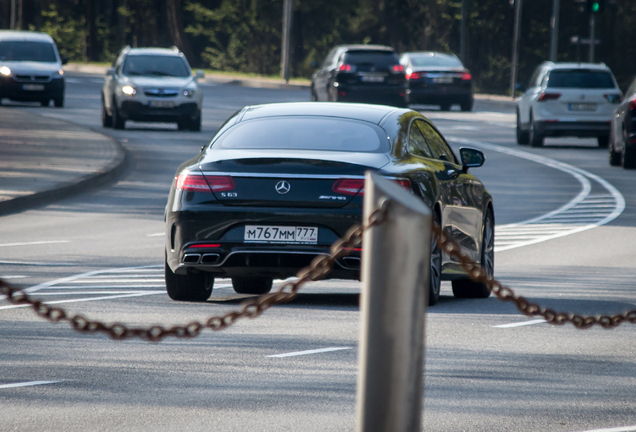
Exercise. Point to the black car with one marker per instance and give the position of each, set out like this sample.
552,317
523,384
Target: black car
437,79
279,183
30,68
360,73
622,140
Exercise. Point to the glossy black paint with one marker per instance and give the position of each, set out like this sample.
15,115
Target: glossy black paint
216,220
622,140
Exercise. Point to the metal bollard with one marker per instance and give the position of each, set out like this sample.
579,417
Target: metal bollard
395,276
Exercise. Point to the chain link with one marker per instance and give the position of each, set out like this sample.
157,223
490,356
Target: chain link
318,269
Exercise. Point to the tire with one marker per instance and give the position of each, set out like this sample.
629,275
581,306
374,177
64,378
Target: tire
252,285
435,282
467,105
183,123
45,102
466,288
535,138
107,120
59,102
314,98
118,121
523,137
192,287
614,156
603,141
445,107
628,157
195,123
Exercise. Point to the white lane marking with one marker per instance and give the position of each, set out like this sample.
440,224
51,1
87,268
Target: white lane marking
618,429
97,80
137,294
12,277
316,351
34,243
583,212
36,264
72,80
27,384
156,235
521,324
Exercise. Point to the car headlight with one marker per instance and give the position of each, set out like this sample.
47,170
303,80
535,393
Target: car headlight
5,71
128,90
58,73
189,92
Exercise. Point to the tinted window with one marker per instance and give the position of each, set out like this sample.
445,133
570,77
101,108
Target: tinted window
440,149
27,51
377,58
155,65
580,79
435,60
303,133
417,143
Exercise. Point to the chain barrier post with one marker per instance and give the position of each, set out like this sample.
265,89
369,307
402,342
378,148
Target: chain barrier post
395,277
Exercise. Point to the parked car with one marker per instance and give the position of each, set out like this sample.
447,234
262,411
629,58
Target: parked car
622,143
437,79
279,183
31,68
151,85
360,73
567,100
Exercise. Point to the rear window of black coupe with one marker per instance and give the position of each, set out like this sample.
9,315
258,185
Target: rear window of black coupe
304,133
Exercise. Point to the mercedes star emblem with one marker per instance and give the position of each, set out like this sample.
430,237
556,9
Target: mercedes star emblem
282,187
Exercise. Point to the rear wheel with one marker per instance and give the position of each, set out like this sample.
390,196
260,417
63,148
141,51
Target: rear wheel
536,139
467,105
436,267
45,102
614,156
445,107
628,158
252,285
466,288
190,287
523,137
58,101
603,141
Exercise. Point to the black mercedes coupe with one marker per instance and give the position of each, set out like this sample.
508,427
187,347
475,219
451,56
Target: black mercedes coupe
279,183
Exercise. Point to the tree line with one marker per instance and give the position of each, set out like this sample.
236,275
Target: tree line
245,35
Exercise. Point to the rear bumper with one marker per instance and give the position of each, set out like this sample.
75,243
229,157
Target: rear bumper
439,95
136,111
14,90
371,94
580,129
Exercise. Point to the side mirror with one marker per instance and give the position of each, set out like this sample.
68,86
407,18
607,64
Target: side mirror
110,71
314,64
521,87
64,60
471,158
199,74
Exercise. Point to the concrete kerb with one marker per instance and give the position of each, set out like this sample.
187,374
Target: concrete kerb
76,185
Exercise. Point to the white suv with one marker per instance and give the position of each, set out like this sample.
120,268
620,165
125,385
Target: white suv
567,99
152,85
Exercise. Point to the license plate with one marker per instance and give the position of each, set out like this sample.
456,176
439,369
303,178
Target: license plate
372,78
280,234
443,80
161,104
582,107
33,87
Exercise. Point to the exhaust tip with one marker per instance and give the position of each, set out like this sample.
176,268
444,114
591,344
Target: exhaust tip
351,262
210,258
191,258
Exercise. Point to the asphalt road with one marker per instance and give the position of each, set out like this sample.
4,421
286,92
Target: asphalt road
487,367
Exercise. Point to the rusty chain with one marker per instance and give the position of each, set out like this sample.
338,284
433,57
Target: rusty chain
317,270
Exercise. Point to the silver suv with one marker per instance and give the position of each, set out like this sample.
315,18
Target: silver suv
151,85
567,99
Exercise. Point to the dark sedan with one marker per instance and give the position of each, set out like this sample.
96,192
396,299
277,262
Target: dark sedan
360,73
622,140
279,183
437,79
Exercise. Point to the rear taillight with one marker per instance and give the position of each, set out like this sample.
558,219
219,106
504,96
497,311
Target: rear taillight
192,183
398,68
414,75
548,96
405,183
632,105
349,186
466,76
345,68
220,183
205,245
200,183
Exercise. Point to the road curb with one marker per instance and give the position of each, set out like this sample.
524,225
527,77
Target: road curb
71,188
